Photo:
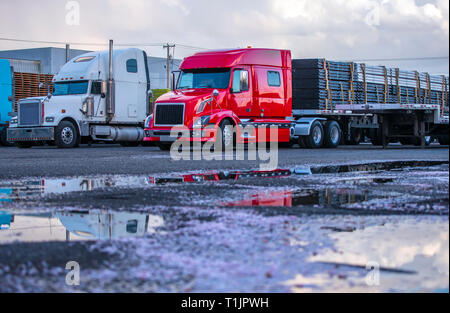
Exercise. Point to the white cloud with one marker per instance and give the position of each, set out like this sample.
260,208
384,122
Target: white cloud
336,29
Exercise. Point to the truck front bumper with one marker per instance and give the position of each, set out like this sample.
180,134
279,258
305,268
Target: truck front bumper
31,134
164,136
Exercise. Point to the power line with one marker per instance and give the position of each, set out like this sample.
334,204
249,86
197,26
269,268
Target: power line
401,59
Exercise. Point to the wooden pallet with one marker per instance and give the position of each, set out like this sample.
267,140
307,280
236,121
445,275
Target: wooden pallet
27,85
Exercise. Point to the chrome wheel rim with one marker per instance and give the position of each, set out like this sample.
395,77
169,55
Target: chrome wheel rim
317,135
334,136
67,135
227,136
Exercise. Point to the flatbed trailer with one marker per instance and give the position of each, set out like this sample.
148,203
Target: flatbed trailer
314,102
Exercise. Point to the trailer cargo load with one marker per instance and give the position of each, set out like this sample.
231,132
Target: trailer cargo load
320,84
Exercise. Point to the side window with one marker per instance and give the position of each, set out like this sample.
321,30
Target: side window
96,88
240,81
132,66
273,79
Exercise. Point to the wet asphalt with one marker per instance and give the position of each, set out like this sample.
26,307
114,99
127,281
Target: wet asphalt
221,227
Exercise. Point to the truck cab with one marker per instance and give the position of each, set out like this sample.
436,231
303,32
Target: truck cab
222,89
5,99
98,96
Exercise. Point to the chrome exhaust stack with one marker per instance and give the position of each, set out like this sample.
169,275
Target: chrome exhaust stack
110,100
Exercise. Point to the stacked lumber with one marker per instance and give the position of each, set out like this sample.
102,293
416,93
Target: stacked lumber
320,84
27,85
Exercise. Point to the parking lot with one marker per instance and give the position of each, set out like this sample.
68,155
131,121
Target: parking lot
136,220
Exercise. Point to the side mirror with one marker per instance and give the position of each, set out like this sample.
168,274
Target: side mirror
103,95
49,96
104,87
215,92
41,85
10,98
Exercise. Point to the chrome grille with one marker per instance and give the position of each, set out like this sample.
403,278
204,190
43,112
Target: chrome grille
29,113
169,114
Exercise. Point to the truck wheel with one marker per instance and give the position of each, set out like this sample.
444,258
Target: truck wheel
355,137
24,145
443,140
130,144
228,135
315,138
3,137
164,146
301,142
376,137
66,135
333,134
417,141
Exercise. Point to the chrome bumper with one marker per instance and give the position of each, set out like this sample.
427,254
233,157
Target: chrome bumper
31,134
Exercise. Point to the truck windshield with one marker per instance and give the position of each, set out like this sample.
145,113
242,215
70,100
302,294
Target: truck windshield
71,88
204,78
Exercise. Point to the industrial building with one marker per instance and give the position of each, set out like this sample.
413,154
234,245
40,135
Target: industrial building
49,61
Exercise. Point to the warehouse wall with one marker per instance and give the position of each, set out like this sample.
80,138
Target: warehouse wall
50,60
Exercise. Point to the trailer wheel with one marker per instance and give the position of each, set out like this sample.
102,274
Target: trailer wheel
316,137
66,135
333,134
355,137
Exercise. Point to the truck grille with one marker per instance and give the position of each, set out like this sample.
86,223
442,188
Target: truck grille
169,114
29,113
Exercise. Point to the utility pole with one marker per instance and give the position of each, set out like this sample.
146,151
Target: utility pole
168,46
67,53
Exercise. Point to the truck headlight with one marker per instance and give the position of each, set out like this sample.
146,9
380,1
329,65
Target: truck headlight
49,119
14,120
148,121
202,106
201,122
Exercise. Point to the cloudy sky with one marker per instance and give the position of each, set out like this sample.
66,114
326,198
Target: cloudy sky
335,29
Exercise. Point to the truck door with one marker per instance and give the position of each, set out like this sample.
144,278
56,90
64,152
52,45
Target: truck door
271,91
99,99
240,97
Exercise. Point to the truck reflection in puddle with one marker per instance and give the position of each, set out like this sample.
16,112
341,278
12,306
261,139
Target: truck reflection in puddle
326,197
76,225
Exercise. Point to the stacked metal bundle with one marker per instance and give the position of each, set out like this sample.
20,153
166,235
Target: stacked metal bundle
320,84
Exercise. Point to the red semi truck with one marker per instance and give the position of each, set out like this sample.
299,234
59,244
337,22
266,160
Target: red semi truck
242,87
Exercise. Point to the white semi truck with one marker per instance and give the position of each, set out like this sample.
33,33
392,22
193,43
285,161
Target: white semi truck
98,96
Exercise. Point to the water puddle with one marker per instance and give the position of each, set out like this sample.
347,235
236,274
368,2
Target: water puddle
37,188
411,255
76,226
308,197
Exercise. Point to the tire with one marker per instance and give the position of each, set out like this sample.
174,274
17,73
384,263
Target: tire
24,145
316,137
228,135
286,145
164,146
130,144
355,137
3,137
406,141
301,142
443,140
66,135
376,137
333,135
417,141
